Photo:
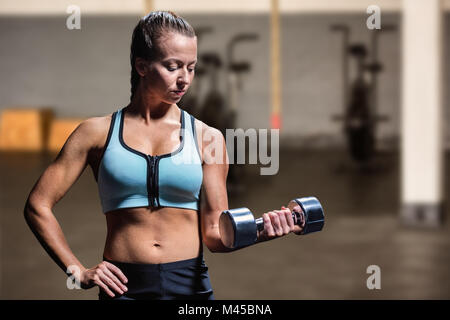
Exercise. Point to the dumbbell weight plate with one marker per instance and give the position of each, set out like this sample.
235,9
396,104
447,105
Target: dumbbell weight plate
239,231
313,213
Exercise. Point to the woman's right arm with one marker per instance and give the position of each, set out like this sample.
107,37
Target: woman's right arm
51,186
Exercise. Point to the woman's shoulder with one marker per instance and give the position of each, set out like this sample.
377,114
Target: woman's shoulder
95,129
204,130
96,124
208,136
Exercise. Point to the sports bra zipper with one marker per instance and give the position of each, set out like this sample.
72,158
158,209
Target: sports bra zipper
151,183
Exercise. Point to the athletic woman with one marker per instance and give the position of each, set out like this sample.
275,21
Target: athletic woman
162,184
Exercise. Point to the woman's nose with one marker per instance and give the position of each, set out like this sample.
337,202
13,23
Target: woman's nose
183,78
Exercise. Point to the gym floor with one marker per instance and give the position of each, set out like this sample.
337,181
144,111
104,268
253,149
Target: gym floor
361,229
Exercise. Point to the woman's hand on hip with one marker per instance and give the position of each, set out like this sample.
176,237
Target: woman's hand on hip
106,276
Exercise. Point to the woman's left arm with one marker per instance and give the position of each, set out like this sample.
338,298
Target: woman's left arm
214,190
277,223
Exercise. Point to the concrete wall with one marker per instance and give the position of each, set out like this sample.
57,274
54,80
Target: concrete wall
83,73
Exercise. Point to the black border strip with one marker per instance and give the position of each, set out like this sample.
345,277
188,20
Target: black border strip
227,308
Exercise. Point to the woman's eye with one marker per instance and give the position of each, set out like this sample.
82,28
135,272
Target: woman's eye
172,68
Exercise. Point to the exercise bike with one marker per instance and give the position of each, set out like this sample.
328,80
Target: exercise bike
360,117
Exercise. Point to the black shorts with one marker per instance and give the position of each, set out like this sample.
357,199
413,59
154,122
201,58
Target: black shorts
184,279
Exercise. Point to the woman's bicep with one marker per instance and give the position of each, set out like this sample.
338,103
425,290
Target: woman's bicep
215,171
214,194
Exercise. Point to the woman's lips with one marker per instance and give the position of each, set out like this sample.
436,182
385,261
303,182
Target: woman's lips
179,92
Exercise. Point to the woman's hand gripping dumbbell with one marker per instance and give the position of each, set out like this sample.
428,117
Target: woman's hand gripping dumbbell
239,228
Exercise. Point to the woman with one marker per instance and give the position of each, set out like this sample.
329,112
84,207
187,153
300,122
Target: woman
150,195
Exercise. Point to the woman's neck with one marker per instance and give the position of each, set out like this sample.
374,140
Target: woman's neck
149,108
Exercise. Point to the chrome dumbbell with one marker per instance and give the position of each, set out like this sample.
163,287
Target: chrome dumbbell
239,228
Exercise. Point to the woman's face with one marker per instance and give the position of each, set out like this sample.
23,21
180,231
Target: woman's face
170,74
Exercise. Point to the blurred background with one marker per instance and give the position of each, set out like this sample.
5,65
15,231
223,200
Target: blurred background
362,113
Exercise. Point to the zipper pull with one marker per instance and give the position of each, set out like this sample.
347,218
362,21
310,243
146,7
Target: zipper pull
152,180
155,202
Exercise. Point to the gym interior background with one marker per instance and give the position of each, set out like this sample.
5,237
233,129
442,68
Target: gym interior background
363,127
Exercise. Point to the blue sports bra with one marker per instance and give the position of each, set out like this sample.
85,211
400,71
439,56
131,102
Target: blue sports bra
128,178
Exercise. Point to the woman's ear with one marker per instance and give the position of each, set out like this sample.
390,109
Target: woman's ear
141,66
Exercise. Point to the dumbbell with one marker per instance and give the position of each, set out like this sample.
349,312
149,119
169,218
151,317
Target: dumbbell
239,228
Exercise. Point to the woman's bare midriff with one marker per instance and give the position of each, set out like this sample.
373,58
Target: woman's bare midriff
152,235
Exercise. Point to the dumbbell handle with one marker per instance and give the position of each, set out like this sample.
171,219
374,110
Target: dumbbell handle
295,215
